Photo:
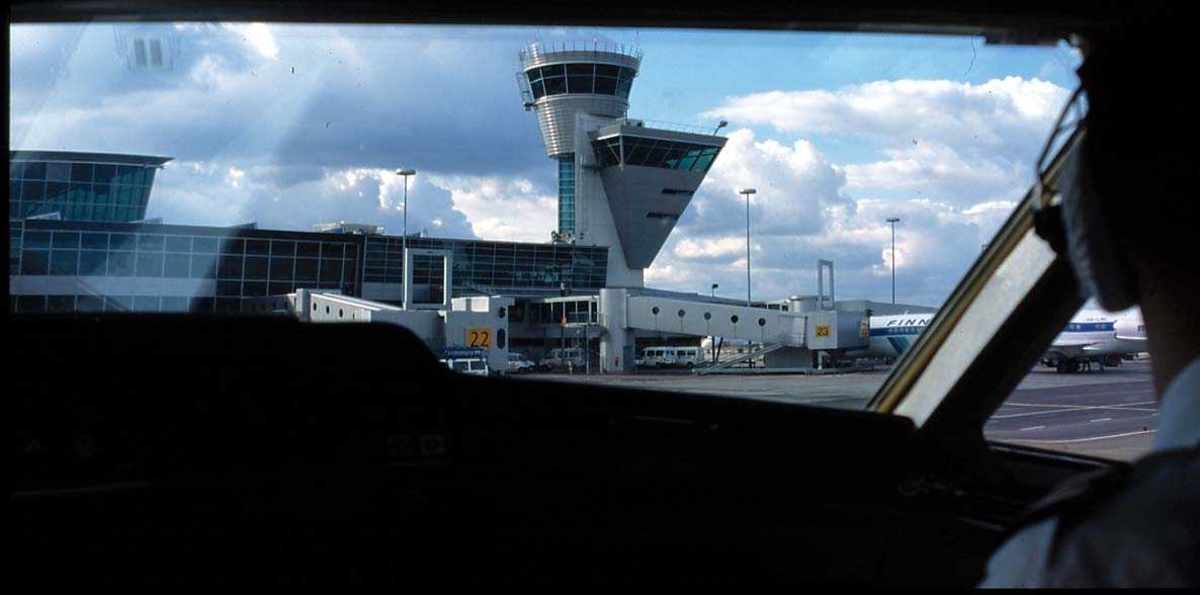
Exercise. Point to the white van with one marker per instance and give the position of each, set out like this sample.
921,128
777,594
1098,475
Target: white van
475,366
466,360
560,358
671,357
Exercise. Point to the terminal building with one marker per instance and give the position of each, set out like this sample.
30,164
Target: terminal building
64,265
80,242
80,186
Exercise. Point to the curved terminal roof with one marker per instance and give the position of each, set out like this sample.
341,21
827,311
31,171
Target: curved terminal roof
81,157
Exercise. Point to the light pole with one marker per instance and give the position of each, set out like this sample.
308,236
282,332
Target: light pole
893,221
747,192
405,172
713,293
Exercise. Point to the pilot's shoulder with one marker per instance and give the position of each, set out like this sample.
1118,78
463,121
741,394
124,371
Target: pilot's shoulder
1144,534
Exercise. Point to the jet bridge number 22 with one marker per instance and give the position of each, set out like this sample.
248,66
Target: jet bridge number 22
479,337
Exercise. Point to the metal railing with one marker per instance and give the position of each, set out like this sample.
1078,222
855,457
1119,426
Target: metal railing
540,48
671,126
738,359
523,90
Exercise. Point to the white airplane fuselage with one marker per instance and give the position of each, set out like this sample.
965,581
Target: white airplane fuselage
1091,336
892,335
726,348
1097,336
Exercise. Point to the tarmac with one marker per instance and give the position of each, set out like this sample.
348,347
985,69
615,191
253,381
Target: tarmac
1110,413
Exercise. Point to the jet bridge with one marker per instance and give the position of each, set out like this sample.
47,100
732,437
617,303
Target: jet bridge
799,330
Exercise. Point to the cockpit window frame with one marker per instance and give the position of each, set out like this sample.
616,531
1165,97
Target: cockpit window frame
1034,318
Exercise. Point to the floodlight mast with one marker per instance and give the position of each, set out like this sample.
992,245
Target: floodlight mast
405,173
747,192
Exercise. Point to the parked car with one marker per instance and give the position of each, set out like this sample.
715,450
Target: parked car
519,364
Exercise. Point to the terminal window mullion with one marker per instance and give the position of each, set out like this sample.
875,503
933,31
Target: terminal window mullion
675,154
657,153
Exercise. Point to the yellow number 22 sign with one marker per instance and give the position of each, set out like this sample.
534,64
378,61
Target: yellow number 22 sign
479,337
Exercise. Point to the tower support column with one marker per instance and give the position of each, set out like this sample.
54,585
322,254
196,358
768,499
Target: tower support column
616,342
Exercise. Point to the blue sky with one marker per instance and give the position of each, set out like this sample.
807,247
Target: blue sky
736,63
292,125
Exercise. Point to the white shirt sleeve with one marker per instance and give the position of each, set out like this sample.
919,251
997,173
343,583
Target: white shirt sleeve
1021,561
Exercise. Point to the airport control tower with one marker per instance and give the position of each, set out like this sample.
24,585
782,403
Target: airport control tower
621,183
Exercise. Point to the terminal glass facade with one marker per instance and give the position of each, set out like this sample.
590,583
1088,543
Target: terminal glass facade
566,194
16,229
583,78
650,152
429,278
69,266
172,268
507,268
80,186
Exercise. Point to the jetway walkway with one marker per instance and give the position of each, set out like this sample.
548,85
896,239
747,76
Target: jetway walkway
701,319
623,311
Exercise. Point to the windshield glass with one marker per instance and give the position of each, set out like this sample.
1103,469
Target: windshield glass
1091,393
657,208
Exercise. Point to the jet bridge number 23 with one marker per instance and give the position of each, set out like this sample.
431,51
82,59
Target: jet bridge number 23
479,337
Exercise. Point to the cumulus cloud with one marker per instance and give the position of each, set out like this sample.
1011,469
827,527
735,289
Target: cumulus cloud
700,248
294,101
1003,116
209,193
941,172
502,208
935,243
293,125
950,159
960,143
796,185
257,36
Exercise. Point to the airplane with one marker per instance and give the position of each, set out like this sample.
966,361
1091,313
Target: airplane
891,335
1092,336
1095,336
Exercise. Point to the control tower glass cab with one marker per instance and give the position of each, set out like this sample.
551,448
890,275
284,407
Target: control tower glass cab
621,183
